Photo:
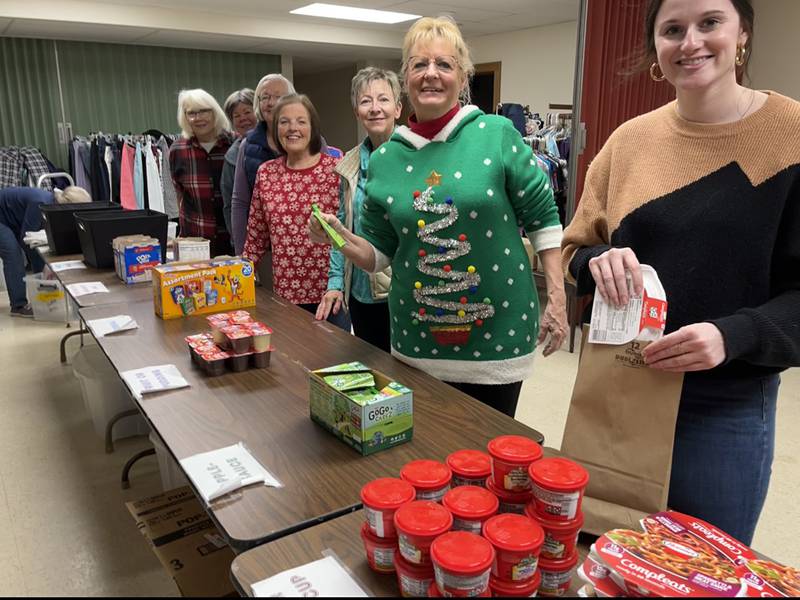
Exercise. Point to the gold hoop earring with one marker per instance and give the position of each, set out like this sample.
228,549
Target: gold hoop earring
741,52
653,75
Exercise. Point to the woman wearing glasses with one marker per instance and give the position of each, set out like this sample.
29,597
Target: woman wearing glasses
445,199
195,162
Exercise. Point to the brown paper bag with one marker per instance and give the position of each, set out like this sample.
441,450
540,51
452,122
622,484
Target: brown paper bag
621,427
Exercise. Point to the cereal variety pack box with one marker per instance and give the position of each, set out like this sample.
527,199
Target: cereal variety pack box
362,407
195,288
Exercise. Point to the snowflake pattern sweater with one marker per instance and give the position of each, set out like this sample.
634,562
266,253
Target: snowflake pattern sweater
447,212
715,209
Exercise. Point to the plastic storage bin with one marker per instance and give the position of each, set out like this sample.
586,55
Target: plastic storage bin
171,473
58,221
47,298
97,229
104,394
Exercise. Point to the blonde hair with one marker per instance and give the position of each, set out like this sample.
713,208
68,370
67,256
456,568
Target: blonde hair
72,195
198,99
428,29
369,74
264,81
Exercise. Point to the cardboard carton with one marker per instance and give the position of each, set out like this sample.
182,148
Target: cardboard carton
362,407
135,256
187,543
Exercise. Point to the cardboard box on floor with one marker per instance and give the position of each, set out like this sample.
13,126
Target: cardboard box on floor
186,542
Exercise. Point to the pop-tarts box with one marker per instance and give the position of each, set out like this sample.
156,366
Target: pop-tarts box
196,288
135,256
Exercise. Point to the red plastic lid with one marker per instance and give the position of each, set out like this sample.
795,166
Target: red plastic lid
516,533
366,534
415,571
462,552
426,474
560,526
515,449
501,587
470,463
507,496
387,493
558,474
423,518
557,566
471,502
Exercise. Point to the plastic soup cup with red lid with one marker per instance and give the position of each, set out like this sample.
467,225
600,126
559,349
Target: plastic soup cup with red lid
517,541
381,498
418,523
413,580
510,502
430,478
560,537
558,486
511,457
462,563
380,551
471,506
518,589
556,575
469,467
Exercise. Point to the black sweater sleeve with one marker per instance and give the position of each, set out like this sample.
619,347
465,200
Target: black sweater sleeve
579,267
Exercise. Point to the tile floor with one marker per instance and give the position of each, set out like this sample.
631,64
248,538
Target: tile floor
65,528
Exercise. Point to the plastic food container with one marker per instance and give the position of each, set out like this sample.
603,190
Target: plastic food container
213,361
238,338
215,322
261,359
381,498
418,523
239,317
471,507
414,580
469,467
430,478
511,457
239,362
556,576
462,563
558,486
517,541
519,589
261,335
510,502
380,551
560,537
433,590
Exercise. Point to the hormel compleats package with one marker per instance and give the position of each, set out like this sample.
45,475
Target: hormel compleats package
596,574
766,579
642,318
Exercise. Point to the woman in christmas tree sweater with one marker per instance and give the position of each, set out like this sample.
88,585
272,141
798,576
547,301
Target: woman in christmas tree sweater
445,200
715,209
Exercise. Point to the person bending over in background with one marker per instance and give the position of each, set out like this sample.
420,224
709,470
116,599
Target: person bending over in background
20,212
375,96
284,191
445,200
706,190
196,161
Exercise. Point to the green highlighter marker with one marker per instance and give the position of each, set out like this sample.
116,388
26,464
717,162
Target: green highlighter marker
337,240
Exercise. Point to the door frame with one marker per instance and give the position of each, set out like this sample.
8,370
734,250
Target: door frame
495,68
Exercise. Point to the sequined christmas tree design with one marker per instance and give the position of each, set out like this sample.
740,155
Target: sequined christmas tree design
451,319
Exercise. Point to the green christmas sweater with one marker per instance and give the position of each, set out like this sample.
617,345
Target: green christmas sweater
445,213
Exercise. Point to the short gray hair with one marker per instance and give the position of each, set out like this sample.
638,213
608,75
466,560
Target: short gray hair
369,74
243,96
264,81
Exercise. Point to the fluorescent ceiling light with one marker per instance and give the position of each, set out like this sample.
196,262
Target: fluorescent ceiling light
351,13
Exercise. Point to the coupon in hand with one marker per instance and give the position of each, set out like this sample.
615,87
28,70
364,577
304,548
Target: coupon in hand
337,241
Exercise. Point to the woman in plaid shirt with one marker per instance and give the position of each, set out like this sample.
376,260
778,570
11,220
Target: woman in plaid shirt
196,162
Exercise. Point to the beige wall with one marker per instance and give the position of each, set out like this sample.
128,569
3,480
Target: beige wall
776,46
538,64
330,93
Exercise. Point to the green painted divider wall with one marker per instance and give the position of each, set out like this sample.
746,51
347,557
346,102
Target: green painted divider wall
113,88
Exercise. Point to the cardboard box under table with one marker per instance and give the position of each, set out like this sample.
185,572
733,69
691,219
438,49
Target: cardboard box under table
196,288
362,407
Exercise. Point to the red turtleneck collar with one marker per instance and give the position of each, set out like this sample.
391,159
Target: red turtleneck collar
429,129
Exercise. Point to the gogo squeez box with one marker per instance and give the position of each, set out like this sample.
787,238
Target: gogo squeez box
362,407
196,288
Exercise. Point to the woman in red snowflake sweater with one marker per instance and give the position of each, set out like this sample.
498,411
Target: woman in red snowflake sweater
284,191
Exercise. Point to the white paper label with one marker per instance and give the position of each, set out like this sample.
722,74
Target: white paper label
558,504
375,520
466,525
323,578
219,472
384,558
153,379
66,265
103,327
411,587
87,287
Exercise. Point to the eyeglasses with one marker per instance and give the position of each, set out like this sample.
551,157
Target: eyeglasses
268,97
419,64
193,114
